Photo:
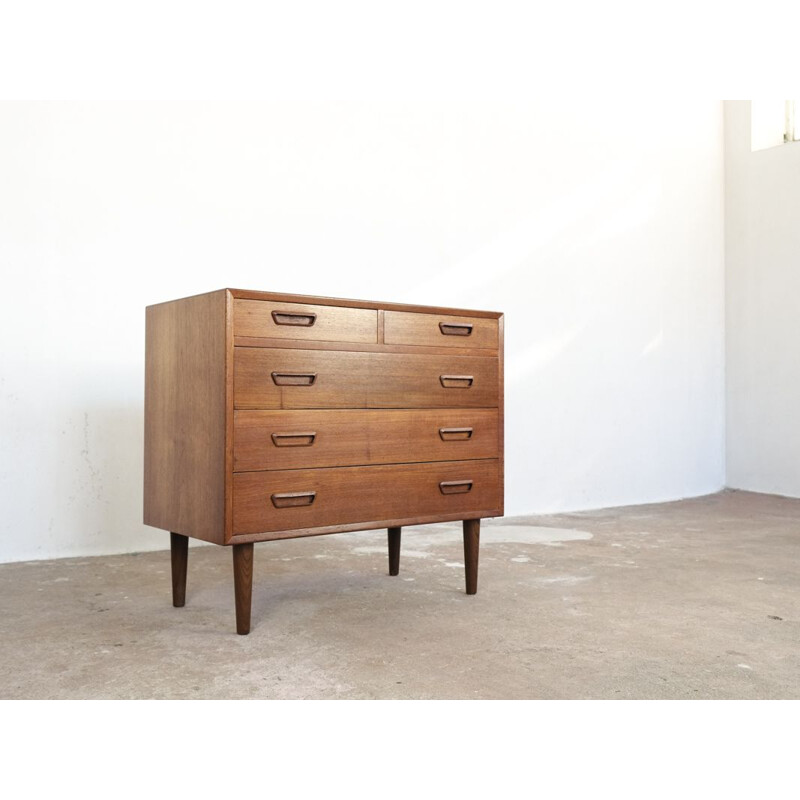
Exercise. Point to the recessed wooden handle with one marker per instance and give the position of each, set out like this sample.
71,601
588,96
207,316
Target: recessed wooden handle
449,434
456,381
293,499
305,439
455,487
294,378
456,328
303,320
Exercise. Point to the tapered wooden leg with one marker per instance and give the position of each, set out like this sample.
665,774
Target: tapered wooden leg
243,585
394,550
472,539
179,546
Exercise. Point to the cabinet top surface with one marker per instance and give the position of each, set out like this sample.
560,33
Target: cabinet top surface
247,294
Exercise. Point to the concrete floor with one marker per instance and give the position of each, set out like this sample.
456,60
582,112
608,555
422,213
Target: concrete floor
694,599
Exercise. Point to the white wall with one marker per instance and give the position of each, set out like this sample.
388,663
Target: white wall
762,197
597,230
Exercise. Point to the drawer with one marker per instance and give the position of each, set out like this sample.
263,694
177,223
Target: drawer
402,327
275,440
270,320
272,378
310,498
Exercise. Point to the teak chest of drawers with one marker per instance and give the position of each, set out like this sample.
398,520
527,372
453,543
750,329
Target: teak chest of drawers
271,416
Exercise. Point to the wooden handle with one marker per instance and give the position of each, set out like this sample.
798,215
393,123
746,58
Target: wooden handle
456,381
456,328
294,439
449,434
294,378
293,499
455,487
304,320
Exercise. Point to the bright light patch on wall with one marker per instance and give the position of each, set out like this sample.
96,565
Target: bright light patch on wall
773,122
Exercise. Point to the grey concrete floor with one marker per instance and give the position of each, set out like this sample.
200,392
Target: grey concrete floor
693,599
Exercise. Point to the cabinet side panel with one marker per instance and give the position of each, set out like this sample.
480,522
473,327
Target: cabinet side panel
184,426
501,402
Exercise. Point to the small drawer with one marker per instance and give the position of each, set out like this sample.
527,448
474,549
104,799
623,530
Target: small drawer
311,498
299,378
276,440
439,330
266,319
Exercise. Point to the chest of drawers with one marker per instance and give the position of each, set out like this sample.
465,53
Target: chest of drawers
272,416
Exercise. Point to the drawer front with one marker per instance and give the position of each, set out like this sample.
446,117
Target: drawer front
276,440
271,378
294,499
402,327
269,320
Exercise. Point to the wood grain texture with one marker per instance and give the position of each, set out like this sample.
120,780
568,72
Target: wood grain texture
351,494
280,297
501,407
228,415
394,550
304,322
179,552
185,416
369,525
472,539
440,330
295,439
361,347
243,585
361,380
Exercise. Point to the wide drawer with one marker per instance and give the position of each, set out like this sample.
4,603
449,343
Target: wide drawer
403,327
311,498
272,378
276,440
270,320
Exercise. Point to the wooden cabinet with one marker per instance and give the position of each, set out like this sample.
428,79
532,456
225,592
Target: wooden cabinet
274,416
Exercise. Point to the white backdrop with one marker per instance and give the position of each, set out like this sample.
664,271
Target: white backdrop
598,230
763,300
